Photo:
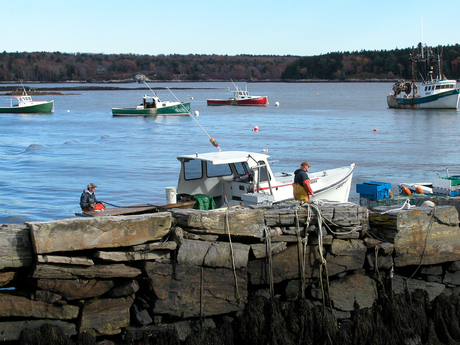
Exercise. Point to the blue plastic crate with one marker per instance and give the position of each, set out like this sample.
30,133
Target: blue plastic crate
373,190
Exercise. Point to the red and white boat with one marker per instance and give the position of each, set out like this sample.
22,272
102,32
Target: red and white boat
241,97
231,177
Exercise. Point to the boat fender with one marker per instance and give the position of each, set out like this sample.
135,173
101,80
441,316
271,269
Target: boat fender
406,190
419,190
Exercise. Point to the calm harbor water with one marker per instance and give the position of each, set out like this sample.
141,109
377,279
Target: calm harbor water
47,160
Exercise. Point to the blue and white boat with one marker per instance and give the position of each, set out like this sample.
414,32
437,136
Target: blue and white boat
431,91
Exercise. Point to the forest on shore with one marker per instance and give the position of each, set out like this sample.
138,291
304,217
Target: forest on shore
337,66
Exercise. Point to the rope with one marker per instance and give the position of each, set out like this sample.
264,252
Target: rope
232,255
405,206
270,261
201,294
323,263
376,269
190,114
428,229
301,255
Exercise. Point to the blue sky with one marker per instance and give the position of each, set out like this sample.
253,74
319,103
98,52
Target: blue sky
228,27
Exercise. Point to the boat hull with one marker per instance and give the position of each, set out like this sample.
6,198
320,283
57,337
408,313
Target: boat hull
173,110
330,185
39,107
445,100
255,101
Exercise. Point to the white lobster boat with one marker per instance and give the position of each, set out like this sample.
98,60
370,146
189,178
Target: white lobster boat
233,178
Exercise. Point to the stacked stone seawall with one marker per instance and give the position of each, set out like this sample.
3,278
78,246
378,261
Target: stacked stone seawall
299,272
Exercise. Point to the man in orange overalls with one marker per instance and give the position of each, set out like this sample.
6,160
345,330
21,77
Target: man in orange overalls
301,185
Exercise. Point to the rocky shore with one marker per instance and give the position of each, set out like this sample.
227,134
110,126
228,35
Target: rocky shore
293,273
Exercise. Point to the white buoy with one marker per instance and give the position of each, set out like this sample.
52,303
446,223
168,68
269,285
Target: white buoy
256,128
68,111
191,97
197,113
277,104
265,150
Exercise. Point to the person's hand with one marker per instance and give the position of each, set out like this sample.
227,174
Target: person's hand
91,206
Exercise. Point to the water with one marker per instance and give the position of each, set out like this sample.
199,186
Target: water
47,160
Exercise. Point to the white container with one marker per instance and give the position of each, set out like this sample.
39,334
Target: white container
257,199
171,195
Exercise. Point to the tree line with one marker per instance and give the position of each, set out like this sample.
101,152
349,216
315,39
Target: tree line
363,65
367,65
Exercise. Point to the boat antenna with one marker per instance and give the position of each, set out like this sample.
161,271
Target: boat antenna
149,88
212,140
422,33
25,92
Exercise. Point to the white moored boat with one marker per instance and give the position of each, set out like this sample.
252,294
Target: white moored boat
433,91
233,177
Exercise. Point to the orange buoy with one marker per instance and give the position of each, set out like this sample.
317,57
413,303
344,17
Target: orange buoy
406,190
419,190
256,128
376,130
265,150
214,142
391,193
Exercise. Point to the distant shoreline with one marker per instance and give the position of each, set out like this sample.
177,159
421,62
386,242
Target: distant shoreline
14,89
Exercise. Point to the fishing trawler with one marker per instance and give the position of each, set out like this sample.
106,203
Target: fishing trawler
431,91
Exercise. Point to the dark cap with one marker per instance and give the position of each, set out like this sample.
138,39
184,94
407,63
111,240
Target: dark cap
91,185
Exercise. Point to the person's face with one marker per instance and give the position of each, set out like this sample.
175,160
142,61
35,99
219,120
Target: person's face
92,189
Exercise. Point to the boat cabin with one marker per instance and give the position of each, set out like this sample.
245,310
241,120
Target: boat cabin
438,86
149,102
229,176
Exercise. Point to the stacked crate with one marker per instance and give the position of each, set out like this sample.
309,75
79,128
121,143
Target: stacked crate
373,190
449,186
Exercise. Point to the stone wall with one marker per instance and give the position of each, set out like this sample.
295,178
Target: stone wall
175,274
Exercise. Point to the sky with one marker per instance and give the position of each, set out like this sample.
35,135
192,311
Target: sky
230,27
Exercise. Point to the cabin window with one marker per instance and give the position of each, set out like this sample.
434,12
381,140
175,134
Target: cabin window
438,87
192,169
426,88
263,175
242,168
218,170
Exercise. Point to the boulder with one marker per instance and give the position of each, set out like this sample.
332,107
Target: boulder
15,246
17,306
345,255
213,254
76,289
238,222
185,290
104,232
351,289
423,236
48,271
11,330
402,284
105,316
